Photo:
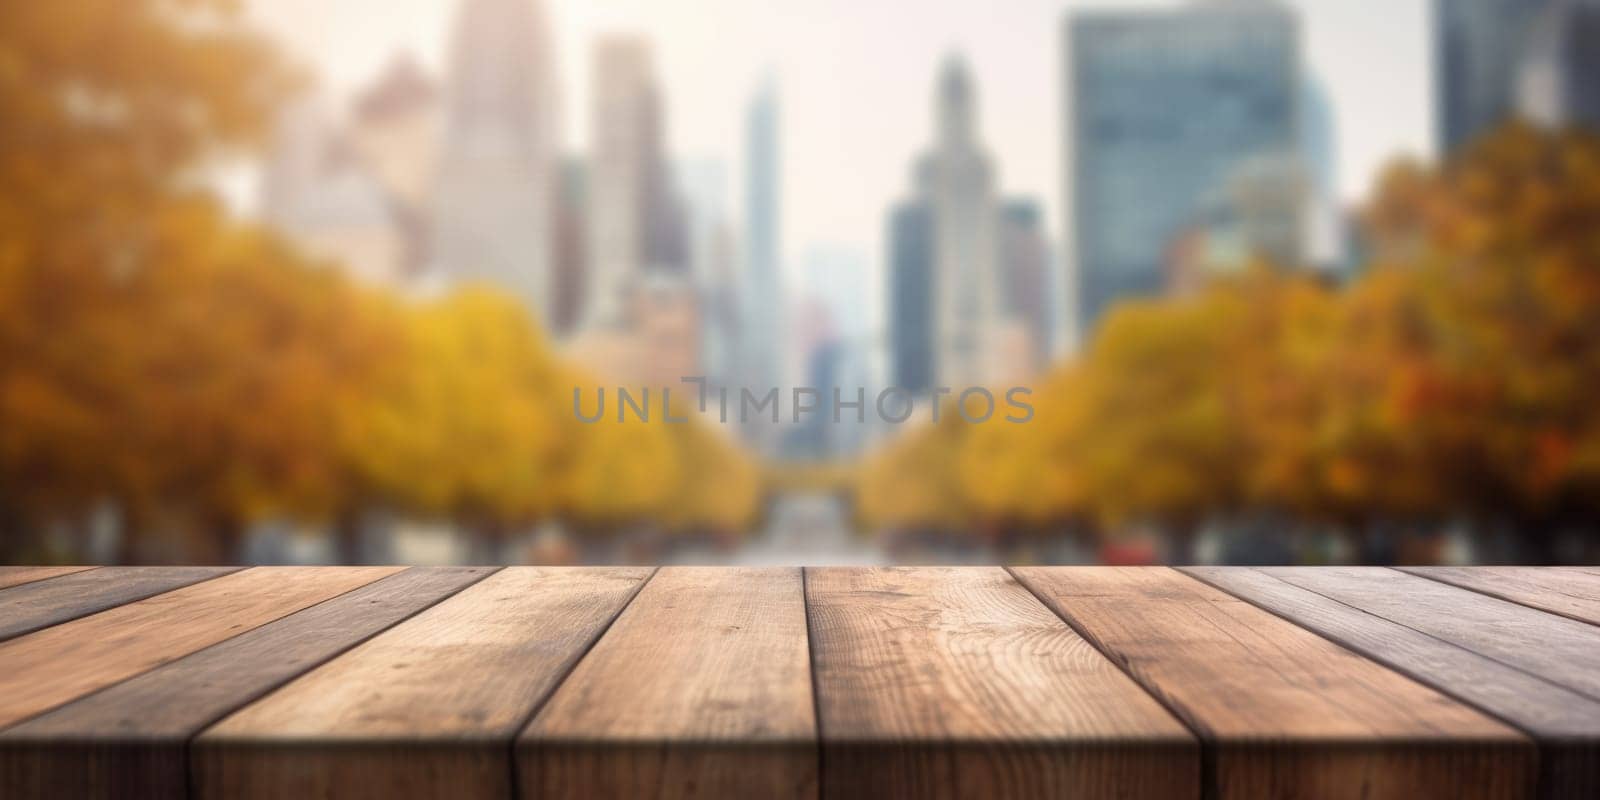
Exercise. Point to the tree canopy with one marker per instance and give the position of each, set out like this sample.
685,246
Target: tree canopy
1454,378
196,373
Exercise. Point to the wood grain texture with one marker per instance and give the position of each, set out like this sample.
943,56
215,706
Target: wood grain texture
16,576
1560,650
1284,712
130,740
38,605
956,682
428,708
51,667
702,688
1567,591
1565,723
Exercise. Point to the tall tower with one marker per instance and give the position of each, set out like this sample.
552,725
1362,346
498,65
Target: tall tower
495,214
1558,79
951,322
910,296
1163,107
1478,49
762,305
1319,152
959,186
635,219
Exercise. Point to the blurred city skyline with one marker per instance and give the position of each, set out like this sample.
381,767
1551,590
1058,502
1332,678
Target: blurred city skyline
1210,238
856,87
1192,140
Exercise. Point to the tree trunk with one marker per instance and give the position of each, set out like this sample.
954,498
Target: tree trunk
18,539
129,534
224,533
1182,539
1536,541
347,538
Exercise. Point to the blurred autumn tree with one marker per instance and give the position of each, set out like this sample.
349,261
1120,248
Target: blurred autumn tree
196,374
1495,348
915,482
1454,380
110,107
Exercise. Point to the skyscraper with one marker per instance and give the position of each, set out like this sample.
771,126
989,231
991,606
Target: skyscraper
494,216
701,189
702,186
1478,47
320,192
954,250
1558,79
1162,107
959,186
836,274
394,128
1319,152
571,247
761,309
910,296
1024,264
623,125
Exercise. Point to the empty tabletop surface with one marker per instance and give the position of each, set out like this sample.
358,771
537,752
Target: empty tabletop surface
487,682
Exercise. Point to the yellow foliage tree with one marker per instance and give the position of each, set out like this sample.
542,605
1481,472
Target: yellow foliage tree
109,106
197,374
1456,378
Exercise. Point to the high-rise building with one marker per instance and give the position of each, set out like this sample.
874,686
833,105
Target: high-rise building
395,124
958,258
1319,154
1162,107
571,248
667,245
910,295
837,275
1024,273
664,312
762,307
1479,46
1558,79
621,124
494,215
320,192
1259,214
958,182
702,185
719,291
395,129
636,222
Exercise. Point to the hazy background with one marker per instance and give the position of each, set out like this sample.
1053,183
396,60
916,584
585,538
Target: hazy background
856,78
1308,281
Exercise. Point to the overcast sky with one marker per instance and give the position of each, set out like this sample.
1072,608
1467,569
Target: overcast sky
856,78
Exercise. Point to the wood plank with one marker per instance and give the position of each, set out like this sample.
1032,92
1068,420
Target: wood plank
1283,711
1566,724
1560,650
51,667
38,605
16,576
724,710
956,682
1566,591
130,740
427,708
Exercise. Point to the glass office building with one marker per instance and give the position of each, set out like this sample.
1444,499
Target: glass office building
1162,107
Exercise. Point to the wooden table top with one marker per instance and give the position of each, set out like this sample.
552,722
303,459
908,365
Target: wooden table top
981,682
